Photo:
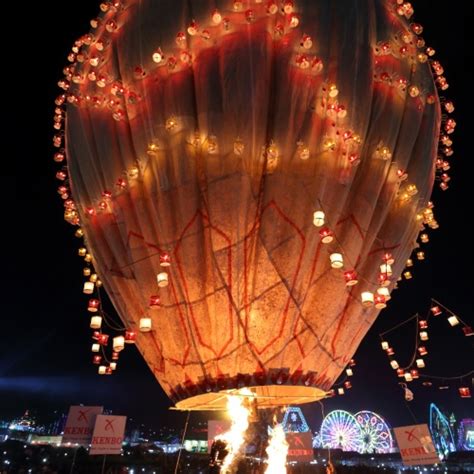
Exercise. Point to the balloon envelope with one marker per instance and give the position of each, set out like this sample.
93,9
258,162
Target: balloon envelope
209,138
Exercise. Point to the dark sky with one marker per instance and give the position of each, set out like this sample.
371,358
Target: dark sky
45,347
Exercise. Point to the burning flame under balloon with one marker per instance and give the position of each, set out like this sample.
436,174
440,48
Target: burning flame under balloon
277,450
239,414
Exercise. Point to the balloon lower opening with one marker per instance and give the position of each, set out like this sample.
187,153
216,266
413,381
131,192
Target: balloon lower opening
266,396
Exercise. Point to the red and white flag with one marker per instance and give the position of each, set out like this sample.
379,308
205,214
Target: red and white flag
79,425
108,434
416,445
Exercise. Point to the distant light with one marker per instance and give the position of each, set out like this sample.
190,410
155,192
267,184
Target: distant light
45,460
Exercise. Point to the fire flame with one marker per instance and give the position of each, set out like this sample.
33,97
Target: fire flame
239,413
277,450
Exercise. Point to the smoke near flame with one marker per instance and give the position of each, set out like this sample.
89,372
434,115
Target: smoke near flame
277,450
239,414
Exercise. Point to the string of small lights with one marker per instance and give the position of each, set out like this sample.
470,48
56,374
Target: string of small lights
411,371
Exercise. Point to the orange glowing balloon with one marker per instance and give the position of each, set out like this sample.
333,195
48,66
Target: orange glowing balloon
247,178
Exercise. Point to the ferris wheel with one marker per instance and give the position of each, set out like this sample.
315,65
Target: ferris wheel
441,433
341,430
376,435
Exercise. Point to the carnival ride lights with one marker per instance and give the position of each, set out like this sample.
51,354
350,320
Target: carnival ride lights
466,435
340,430
365,432
441,433
376,435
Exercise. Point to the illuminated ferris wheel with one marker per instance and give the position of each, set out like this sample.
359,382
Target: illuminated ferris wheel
341,430
376,435
441,433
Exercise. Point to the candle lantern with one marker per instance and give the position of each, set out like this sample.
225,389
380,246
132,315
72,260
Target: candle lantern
145,324
93,305
154,301
351,278
422,350
336,260
165,260
318,218
96,322
118,343
367,299
162,279
326,235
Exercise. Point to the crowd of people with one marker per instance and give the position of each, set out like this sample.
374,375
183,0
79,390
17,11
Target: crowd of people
20,458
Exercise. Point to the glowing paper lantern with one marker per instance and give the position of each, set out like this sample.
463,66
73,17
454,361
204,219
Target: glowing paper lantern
318,218
420,363
336,260
351,278
422,350
145,324
93,305
96,322
367,298
118,343
453,320
162,279
465,392
215,136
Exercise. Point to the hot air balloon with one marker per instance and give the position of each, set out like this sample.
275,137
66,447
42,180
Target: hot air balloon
250,178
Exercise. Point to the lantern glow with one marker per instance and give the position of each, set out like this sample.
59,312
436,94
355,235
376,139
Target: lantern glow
216,171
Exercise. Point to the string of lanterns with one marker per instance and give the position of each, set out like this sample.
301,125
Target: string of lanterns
344,384
99,318
417,362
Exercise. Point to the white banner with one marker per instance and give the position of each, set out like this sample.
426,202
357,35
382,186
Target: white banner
79,425
108,434
416,446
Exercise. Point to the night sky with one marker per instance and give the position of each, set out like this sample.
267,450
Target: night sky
45,358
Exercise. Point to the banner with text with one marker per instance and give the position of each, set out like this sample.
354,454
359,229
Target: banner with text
79,425
416,446
300,447
108,434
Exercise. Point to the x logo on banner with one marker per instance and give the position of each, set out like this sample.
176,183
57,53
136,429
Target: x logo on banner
411,435
83,415
109,425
